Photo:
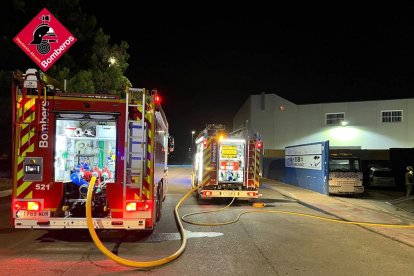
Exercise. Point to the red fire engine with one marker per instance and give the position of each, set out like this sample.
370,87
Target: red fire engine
61,140
227,165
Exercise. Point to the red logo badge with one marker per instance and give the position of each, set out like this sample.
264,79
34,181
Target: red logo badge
44,39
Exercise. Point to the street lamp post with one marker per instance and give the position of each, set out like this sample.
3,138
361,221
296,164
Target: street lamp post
192,144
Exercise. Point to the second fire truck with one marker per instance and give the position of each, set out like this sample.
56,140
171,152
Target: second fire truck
226,165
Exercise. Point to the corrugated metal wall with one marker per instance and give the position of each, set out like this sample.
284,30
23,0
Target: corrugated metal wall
315,179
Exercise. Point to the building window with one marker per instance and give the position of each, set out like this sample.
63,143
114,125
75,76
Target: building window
334,118
392,116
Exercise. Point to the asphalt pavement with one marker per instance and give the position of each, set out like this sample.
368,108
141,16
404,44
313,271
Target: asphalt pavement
379,211
5,193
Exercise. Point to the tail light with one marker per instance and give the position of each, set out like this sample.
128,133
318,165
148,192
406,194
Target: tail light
133,206
33,206
18,206
27,205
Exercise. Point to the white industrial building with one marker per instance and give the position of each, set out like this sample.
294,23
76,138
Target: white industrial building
370,125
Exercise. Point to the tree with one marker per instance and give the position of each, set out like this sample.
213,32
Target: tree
86,66
108,65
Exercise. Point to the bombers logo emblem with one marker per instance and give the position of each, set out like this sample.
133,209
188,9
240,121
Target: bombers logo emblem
43,35
44,39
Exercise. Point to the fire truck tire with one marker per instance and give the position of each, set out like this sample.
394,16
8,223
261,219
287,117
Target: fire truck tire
197,194
158,203
163,193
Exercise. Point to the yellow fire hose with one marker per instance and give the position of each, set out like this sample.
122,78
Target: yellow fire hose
361,223
154,263
127,262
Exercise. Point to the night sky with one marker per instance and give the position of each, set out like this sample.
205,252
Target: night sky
205,59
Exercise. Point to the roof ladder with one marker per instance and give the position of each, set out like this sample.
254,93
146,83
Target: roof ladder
252,163
135,139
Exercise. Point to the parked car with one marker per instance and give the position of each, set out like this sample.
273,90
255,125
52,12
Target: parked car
381,177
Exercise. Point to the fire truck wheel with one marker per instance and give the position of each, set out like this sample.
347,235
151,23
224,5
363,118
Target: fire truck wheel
158,203
147,232
163,193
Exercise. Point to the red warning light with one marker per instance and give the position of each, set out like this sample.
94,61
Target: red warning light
157,99
259,144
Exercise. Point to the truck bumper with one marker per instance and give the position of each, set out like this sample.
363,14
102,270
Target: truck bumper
346,189
229,193
80,223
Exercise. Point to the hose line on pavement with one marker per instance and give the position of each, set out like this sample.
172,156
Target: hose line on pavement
361,223
126,262
175,255
212,211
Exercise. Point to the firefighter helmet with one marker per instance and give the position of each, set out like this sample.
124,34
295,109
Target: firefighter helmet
40,32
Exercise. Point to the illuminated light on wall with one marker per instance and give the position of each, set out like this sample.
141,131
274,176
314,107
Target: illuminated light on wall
344,133
351,136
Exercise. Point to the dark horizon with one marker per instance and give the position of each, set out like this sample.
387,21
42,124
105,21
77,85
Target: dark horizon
206,62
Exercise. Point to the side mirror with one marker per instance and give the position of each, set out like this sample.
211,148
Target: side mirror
170,144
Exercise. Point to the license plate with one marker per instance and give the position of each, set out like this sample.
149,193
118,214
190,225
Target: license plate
347,189
33,214
228,193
